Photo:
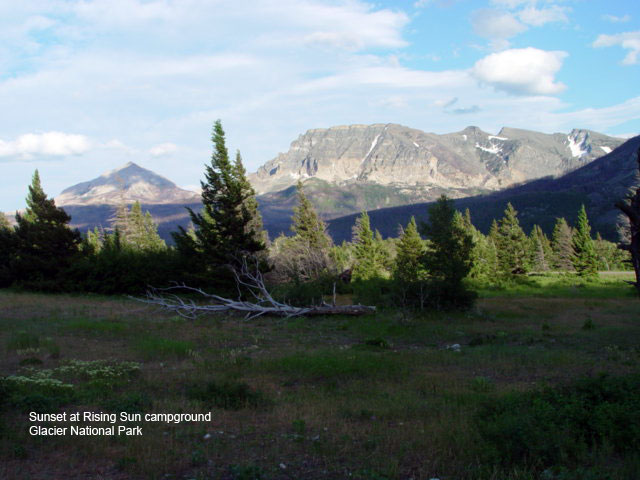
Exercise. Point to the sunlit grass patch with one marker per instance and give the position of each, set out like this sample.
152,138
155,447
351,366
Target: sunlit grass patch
152,348
334,365
98,326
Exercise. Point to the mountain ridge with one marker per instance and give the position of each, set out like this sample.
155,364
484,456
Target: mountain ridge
392,154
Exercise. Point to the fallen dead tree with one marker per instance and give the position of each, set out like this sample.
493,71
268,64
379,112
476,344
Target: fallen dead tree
263,304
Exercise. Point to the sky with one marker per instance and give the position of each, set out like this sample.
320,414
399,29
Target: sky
89,85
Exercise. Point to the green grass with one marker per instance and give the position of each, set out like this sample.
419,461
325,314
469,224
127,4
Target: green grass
607,285
152,347
375,397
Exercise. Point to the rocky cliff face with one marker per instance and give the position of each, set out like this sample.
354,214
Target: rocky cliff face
127,184
400,156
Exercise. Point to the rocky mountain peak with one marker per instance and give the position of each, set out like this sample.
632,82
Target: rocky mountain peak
126,184
391,154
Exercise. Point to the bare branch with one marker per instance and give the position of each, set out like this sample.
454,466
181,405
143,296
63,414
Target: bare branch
253,281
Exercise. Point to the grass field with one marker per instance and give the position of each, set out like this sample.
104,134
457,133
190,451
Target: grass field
388,396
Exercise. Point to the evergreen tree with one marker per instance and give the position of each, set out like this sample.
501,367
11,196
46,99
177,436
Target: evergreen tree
227,228
7,247
307,225
511,243
408,265
4,223
562,246
254,227
449,255
584,255
304,256
609,256
483,254
448,258
540,250
45,245
369,257
141,230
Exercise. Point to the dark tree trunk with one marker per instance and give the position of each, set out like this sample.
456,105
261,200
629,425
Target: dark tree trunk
630,206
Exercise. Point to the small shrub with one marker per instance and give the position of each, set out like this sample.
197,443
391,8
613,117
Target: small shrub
155,347
247,472
378,342
299,427
227,395
25,362
588,324
40,393
482,385
562,426
23,340
135,402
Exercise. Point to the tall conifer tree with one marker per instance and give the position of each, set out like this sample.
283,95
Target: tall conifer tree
305,255
409,257
369,257
45,245
561,244
584,255
511,243
448,258
227,228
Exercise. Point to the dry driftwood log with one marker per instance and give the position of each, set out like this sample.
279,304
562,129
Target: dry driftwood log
263,304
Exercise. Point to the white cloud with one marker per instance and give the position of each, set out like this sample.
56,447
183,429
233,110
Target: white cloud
615,19
526,71
509,3
626,136
45,144
496,25
539,16
163,149
627,40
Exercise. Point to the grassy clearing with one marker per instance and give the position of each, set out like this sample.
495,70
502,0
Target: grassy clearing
383,397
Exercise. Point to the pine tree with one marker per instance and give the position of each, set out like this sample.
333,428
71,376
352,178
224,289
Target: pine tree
227,228
561,244
448,258
483,254
141,231
584,255
307,225
408,265
4,222
610,257
7,247
511,243
94,240
540,250
304,256
449,255
369,259
45,245
254,227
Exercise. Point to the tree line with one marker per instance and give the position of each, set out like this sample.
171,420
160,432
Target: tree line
428,265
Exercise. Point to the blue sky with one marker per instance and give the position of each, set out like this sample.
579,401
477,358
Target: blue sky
87,86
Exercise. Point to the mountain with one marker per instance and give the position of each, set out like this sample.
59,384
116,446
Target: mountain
93,203
350,169
127,184
425,163
597,185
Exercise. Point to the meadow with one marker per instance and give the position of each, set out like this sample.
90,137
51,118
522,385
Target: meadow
540,379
